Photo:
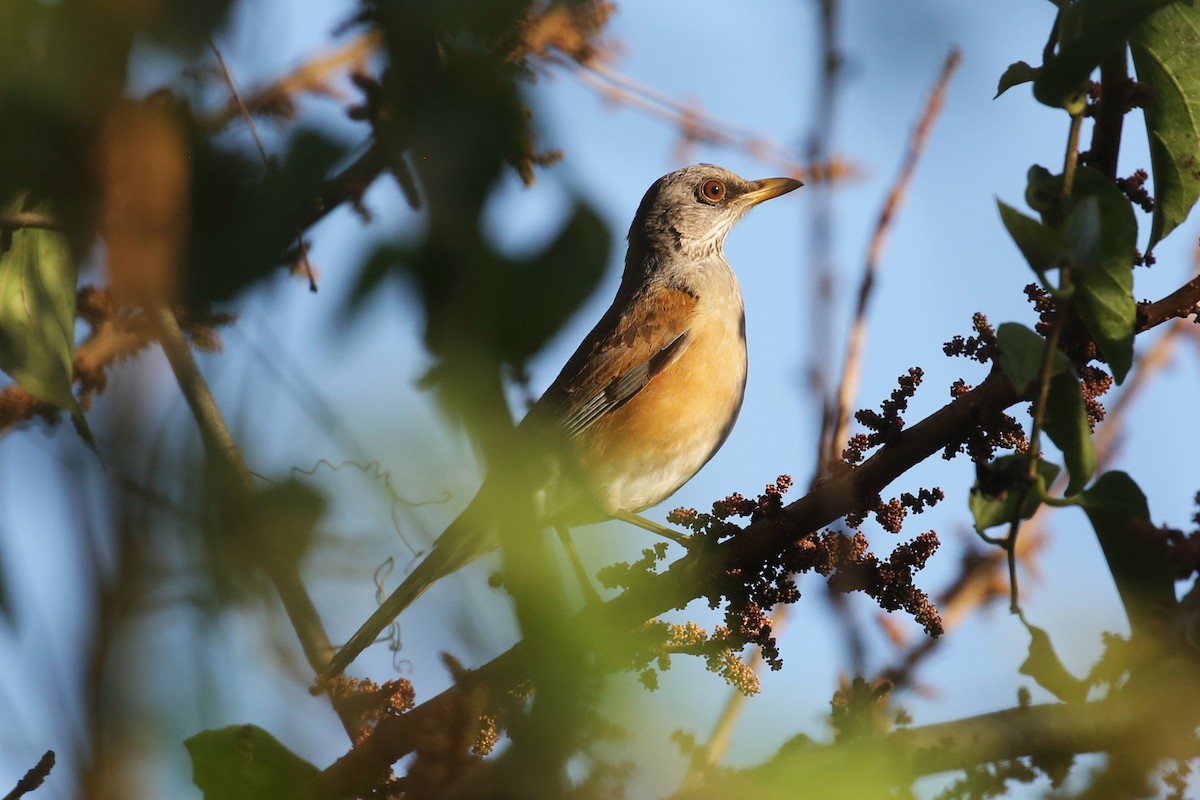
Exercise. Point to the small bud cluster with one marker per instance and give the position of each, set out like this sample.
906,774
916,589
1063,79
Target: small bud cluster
981,347
885,423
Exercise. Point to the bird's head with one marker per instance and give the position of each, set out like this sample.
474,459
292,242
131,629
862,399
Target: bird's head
690,211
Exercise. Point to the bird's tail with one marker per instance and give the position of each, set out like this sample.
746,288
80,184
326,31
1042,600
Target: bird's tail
460,544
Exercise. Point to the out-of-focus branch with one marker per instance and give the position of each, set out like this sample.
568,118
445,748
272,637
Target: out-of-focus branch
27,219
836,433
236,98
819,305
238,485
697,126
312,77
1150,726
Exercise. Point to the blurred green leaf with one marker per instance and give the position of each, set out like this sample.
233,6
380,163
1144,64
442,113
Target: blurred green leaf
37,312
1081,231
1021,355
1090,30
994,502
1043,193
1067,426
1016,74
245,762
1101,236
558,280
1164,51
1044,666
1117,509
1039,243
245,220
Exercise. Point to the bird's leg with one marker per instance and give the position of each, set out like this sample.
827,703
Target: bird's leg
654,527
590,595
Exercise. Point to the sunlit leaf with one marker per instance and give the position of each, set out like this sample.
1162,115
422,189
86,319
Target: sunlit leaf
1164,51
37,313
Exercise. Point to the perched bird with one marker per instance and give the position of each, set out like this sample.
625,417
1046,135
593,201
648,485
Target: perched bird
650,394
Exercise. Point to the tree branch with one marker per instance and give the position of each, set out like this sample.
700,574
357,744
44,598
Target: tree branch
1155,723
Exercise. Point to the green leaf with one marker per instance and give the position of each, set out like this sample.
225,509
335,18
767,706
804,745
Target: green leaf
1044,666
993,505
1090,30
1117,509
37,313
1081,231
1100,233
1067,426
244,762
1021,355
1043,193
560,279
1164,51
1015,75
1039,243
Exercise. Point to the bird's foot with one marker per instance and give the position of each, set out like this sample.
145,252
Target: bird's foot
655,528
590,596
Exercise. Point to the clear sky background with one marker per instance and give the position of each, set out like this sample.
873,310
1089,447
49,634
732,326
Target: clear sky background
293,361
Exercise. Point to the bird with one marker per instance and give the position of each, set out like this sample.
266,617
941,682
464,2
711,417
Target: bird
648,397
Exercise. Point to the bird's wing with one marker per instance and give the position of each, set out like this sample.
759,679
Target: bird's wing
619,358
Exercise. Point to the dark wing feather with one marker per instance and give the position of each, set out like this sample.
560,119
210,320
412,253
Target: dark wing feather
618,359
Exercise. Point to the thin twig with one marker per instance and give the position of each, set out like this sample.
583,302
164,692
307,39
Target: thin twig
28,219
1045,373
225,455
311,77
698,126
821,268
33,778
262,151
856,341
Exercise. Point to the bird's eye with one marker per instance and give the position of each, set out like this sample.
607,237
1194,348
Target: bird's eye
713,190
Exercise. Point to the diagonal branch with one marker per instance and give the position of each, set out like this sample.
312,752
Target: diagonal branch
394,737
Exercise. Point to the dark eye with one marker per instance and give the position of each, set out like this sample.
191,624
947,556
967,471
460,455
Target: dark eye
713,190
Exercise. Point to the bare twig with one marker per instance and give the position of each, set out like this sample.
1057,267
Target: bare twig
27,219
872,765
698,126
821,268
311,77
856,341
33,778
224,454
262,151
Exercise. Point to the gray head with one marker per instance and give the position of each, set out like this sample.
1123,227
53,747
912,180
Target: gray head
689,211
